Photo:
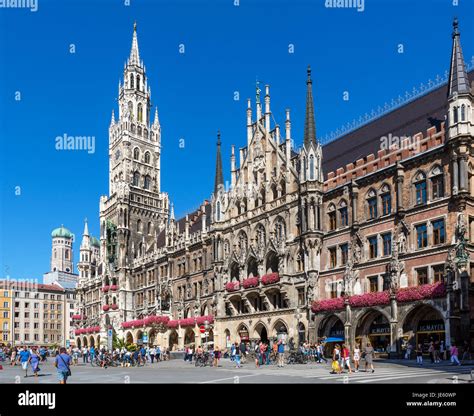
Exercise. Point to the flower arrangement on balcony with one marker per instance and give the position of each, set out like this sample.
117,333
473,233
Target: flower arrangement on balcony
173,324
155,319
270,278
428,291
232,286
113,288
79,331
114,306
105,288
370,299
187,322
250,282
105,308
201,319
327,305
78,317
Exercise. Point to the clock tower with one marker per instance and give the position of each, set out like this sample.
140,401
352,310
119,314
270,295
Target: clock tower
135,210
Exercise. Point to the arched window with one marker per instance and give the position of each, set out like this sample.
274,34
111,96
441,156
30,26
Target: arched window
140,113
343,214
149,228
455,115
66,254
304,168
311,167
138,83
419,183
274,191
147,157
136,153
332,217
283,187
131,81
280,229
55,254
437,182
147,182
386,200
130,109
372,204
463,113
218,211
136,179
139,225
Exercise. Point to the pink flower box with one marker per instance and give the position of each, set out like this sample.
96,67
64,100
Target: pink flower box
187,322
370,299
327,305
250,282
114,287
105,288
114,306
232,286
414,293
270,278
150,320
105,308
172,324
78,317
201,319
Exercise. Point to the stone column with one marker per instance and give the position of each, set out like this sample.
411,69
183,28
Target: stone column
348,340
455,175
462,174
399,190
355,194
394,344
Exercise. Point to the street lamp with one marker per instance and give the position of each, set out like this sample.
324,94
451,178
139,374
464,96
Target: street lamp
206,327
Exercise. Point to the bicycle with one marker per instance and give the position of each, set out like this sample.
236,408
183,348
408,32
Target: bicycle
202,360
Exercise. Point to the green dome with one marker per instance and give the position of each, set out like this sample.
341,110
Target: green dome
61,232
95,242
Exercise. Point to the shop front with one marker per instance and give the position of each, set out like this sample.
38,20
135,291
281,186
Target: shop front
430,331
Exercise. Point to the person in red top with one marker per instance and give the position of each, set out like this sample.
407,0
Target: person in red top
346,357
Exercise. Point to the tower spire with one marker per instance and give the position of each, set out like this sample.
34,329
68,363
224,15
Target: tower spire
134,54
86,228
219,179
309,124
458,79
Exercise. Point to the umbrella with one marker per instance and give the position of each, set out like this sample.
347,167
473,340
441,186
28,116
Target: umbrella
333,340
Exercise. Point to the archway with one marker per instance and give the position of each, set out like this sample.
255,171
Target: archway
301,333
331,327
151,337
173,340
227,338
423,324
234,272
272,263
92,341
84,342
261,331
252,267
374,327
78,342
98,341
129,338
189,337
243,332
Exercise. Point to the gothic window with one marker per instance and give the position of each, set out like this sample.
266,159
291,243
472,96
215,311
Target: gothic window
372,204
136,153
386,199
421,236
455,115
420,188
149,228
332,217
131,81
387,244
66,254
55,254
373,247
304,168
311,167
274,191
343,215
130,108
262,196
437,182
218,211
147,157
283,187
260,234
439,232
136,179
344,253
140,113
147,182
463,113
280,229
139,225
138,83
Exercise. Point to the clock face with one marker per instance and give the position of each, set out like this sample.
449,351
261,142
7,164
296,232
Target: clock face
117,154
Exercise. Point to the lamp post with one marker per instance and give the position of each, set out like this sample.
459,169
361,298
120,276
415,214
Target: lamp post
206,327
298,317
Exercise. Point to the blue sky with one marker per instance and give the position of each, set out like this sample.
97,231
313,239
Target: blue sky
226,48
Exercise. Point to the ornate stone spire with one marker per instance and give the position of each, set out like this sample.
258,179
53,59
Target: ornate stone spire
309,124
219,179
134,53
458,79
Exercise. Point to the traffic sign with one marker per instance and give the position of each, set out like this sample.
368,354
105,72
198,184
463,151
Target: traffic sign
202,328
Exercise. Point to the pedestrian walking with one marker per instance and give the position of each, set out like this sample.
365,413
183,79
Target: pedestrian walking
408,351
34,361
356,358
431,352
454,355
217,356
152,354
346,356
336,356
62,363
237,356
419,354
369,354
281,353
24,360
442,351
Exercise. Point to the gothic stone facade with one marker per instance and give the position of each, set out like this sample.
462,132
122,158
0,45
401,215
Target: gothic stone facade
267,254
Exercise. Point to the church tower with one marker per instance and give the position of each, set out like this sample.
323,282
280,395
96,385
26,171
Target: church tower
62,254
135,210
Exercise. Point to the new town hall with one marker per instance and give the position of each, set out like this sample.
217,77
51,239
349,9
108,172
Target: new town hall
347,240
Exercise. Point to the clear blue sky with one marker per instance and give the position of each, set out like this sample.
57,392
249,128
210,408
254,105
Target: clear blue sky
226,49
